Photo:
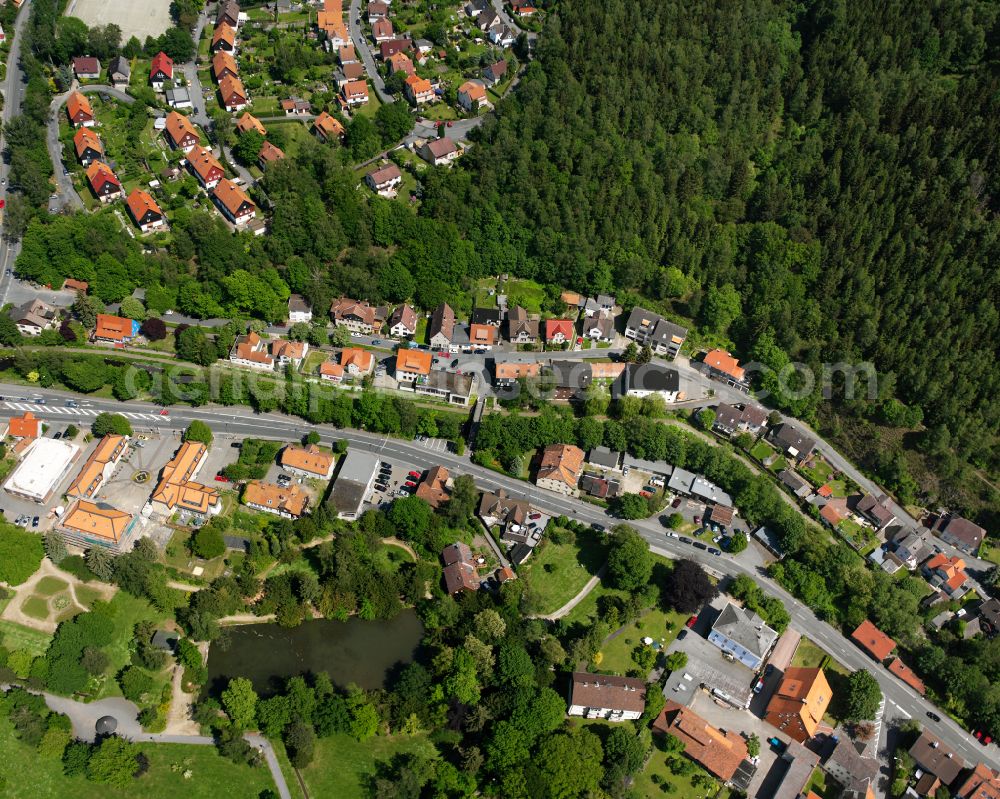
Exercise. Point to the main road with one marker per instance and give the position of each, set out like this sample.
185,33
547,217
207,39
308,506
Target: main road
239,422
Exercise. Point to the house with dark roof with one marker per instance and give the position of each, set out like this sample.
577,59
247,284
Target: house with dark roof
384,180
933,755
34,316
120,72
501,509
460,572
441,329
856,772
599,328
606,696
649,379
520,328
960,533
86,67
495,72
605,458
792,442
877,511
650,329
743,635
796,484
403,322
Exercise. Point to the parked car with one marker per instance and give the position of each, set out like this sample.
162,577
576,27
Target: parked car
686,540
700,545
758,686
676,503
691,622
34,522
597,527
410,484
415,475
682,635
221,478
535,516
671,534
777,744
714,551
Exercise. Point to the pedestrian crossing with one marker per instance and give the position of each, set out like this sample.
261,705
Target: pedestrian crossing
59,410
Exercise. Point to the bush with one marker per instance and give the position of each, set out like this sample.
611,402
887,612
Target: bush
111,423
77,566
21,554
208,543
199,431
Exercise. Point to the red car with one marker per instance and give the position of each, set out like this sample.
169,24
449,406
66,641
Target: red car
221,478
645,494
450,123
409,484
414,475
676,503
691,622
987,741
534,516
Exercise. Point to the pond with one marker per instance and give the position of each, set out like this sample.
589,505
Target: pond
352,651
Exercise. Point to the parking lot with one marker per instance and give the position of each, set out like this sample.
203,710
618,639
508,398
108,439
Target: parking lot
391,480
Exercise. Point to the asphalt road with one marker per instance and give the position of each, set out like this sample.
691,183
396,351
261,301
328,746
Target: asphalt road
199,114
901,700
364,50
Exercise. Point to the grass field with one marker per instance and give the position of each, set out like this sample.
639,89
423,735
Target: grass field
557,572
526,293
343,766
29,776
662,626
762,451
818,474
127,611
14,636
666,783
808,655
37,607
48,586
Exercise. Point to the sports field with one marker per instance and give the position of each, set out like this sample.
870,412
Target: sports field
135,18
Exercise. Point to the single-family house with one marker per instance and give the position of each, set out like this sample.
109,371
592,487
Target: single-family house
797,706
34,316
651,330
487,18
523,9
224,65
205,167
720,752
401,62
120,72
393,46
877,511
288,353
355,93
908,549
358,317
88,146
792,442
299,310
347,55
472,96
377,10
115,329
418,90
558,331
649,379
560,468
144,211
382,30
309,461
946,574
460,573
403,322
521,329
327,127
502,509
724,367
233,202
960,533
605,458
599,328
442,327
25,427
224,38
269,154
934,756
161,69
482,337
501,36
412,365
296,107
856,772
356,362
181,133
742,634
507,373
103,182
871,639
80,111
228,13
495,72
251,350
384,180
178,97
232,94
433,487
606,696
86,67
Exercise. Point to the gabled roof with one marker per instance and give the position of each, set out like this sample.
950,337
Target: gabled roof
328,125
231,86
345,307
179,128
270,153
176,489
355,88
722,361
720,752
89,479
561,462
346,54
223,63
983,783
746,628
355,356
907,675
418,85
482,335
415,362
404,315
161,63
85,64
76,104
442,321
292,500
608,691
554,327
139,202
433,488
249,122
99,174
85,139
307,459
402,62
26,426
224,33
439,148
116,328
512,370
231,196
798,704
120,66
873,640
96,519
204,163
933,755
382,27
473,90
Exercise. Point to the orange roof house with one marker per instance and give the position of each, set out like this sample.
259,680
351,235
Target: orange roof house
88,145
224,64
946,573
224,38
98,467
26,426
558,330
181,132
328,127
418,90
72,284
103,180
907,675
269,154
289,502
411,364
88,521
401,62
311,461
334,372
115,328
871,639
177,489
355,360
355,92
513,370
144,209
482,335
725,365
206,167
250,350
797,706
833,513
79,110
232,93
720,752
560,468
433,489
233,202
983,783
249,122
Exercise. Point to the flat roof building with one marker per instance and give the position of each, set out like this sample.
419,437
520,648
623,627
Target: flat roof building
354,481
45,464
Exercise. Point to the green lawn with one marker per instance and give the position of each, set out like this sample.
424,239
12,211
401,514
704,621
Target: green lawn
808,655
127,611
818,474
310,364
662,626
762,451
817,784
343,766
48,586
526,293
14,637
991,552
29,776
287,770
37,607
656,780
557,572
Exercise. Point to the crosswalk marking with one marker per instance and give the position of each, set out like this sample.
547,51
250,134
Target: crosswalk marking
59,409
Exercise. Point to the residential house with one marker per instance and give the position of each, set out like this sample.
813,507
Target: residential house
649,379
474,8
834,511
418,91
144,211
442,327
796,708
86,67
403,322
80,111
289,503
606,696
934,757
482,337
982,783
288,353
269,154
720,752
651,330
501,36
358,317
296,107
412,365
382,30
605,458
233,202
228,13
507,373
558,331
494,73
177,489
487,19
331,371
596,485
521,329
87,524
856,772
599,328
877,511
299,310
356,362
744,418
99,468
349,73
523,9
161,69
79,286
224,66
355,93
871,639
120,72
232,94
742,634
308,461
486,316
393,46
501,509
330,21
384,180
328,128
178,97
472,96
205,167
347,55
907,675
947,575
181,134
460,573
26,427
796,484
989,617
792,442
377,10
723,366
960,533
401,62
908,550
251,351
88,146
33,317
720,515
433,488
103,182
560,468
224,38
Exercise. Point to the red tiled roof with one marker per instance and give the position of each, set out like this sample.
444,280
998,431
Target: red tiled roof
161,63
907,675
722,361
873,640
